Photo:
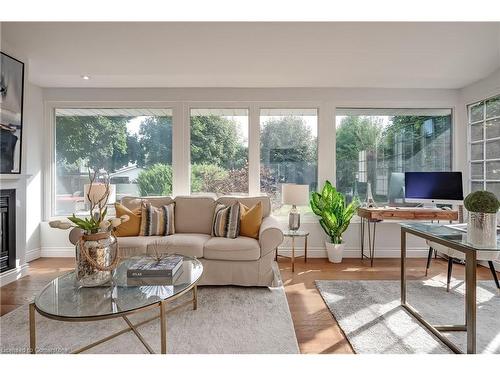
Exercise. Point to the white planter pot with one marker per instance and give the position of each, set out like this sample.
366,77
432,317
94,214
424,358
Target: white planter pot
335,251
482,229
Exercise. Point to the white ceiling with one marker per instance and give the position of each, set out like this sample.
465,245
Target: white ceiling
405,55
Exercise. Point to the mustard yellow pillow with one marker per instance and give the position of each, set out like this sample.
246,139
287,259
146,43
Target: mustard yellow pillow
250,220
132,226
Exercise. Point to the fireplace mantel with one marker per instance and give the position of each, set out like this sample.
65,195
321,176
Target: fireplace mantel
11,177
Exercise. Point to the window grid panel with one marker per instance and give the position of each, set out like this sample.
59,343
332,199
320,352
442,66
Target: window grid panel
132,147
288,152
489,123
219,151
372,144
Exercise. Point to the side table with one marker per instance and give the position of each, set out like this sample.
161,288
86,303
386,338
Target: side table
293,234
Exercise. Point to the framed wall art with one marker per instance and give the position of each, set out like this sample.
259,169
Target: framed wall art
11,113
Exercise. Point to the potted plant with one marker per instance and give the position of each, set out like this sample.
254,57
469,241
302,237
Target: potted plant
481,226
335,217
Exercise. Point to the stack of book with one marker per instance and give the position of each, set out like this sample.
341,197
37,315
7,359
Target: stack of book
151,271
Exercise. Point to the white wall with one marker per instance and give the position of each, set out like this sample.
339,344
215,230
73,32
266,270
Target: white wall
54,242
33,134
29,184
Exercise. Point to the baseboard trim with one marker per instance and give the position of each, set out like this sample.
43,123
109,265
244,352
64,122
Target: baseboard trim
14,274
320,252
314,252
57,252
33,254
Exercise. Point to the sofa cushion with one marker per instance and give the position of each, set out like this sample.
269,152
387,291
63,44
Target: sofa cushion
249,202
157,221
135,202
130,227
130,246
194,214
240,248
189,244
226,221
251,219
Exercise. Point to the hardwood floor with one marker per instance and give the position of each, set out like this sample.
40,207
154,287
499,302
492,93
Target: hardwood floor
42,271
316,329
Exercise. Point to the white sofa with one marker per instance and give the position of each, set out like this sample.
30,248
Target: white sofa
241,261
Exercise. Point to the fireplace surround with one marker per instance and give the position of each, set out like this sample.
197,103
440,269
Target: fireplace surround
7,229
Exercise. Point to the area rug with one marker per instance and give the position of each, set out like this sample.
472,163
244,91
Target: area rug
228,320
373,321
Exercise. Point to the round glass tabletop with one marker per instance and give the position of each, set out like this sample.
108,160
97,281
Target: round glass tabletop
65,299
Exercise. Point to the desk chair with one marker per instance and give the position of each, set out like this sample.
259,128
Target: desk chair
488,256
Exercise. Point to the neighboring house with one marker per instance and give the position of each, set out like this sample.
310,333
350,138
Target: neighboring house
125,180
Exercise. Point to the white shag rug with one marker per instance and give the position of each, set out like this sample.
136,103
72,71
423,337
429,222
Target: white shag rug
228,320
371,317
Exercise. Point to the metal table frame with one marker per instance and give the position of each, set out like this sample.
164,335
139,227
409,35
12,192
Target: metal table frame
371,240
293,257
469,325
131,327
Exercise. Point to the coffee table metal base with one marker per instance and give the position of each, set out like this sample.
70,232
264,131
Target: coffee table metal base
131,327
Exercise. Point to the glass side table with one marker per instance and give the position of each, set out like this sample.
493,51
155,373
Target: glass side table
293,234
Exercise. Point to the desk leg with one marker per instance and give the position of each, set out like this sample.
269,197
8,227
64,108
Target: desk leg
362,228
371,241
470,298
372,250
32,328
403,267
293,253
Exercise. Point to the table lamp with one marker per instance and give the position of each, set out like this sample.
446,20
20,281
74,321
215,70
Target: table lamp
296,195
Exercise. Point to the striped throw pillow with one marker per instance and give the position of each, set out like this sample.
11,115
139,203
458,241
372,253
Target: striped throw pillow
157,221
226,221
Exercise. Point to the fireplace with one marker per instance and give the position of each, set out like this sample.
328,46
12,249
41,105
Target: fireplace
7,229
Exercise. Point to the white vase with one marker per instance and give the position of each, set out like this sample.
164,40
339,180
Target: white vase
335,251
482,229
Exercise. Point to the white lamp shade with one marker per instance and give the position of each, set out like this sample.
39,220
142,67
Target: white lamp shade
295,194
98,191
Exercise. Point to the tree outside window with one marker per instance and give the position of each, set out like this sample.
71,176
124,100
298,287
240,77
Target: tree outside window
371,144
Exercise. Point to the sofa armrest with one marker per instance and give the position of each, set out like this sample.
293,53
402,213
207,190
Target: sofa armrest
270,235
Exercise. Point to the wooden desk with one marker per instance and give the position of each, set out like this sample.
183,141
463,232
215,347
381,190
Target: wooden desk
378,214
406,213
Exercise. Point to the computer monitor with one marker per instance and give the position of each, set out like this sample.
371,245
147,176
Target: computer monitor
396,187
434,187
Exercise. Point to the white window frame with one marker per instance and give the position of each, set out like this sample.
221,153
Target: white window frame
326,105
50,150
455,142
483,141
181,139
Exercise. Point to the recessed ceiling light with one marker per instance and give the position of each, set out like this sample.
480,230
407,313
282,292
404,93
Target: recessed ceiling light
85,77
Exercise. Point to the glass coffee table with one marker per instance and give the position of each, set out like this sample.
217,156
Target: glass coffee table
62,299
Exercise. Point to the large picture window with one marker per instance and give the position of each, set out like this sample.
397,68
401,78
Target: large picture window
132,146
484,143
288,152
377,145
219,151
